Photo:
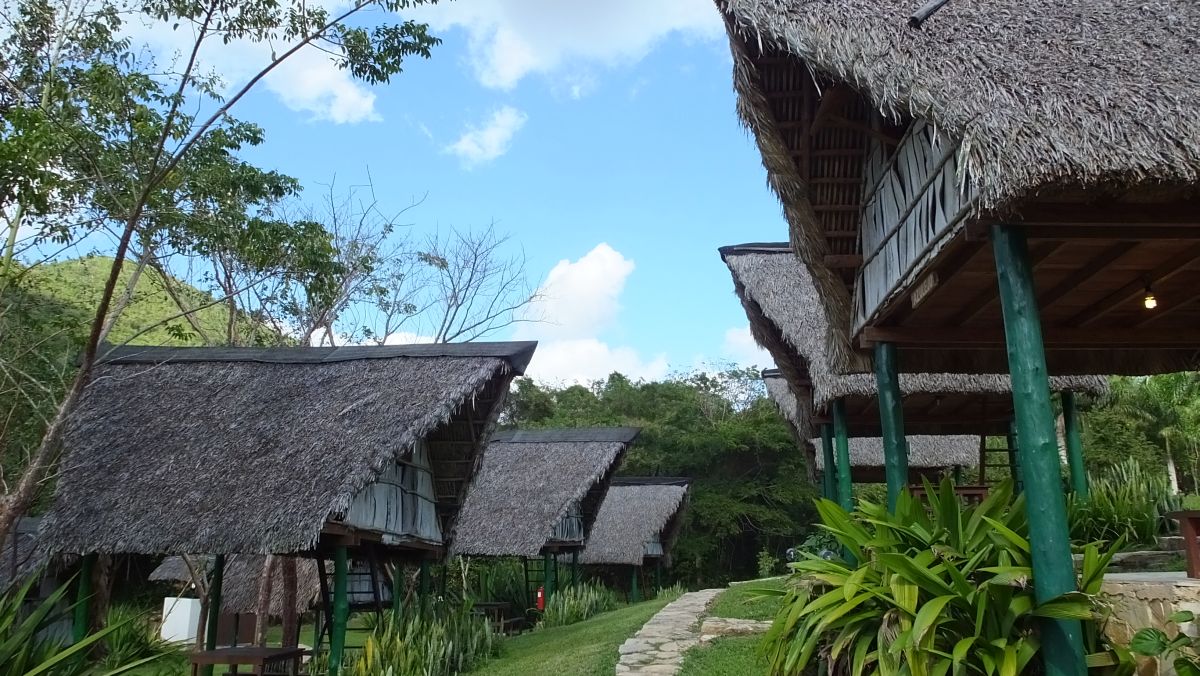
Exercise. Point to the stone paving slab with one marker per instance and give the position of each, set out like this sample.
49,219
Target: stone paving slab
714,627
659,645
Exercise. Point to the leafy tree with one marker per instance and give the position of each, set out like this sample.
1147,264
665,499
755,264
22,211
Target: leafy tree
749,490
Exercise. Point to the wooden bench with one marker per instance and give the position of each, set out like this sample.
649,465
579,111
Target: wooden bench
1189,526
261,661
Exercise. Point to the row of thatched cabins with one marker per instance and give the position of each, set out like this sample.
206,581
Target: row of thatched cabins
361,459
1001,192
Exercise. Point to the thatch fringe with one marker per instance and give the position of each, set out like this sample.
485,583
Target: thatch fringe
528,481
240,453
630,516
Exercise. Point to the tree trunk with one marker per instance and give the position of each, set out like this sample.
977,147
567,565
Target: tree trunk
287,568
102,582
1172,475
264,601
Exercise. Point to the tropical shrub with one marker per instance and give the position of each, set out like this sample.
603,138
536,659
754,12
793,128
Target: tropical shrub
1182,652
1126,502
768,565
436,640
934,588
27,642
671,593
577,603
133,637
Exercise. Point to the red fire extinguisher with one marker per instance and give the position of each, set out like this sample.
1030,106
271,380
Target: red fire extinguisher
541,599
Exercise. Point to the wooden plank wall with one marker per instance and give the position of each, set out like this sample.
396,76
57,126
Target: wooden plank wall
911,195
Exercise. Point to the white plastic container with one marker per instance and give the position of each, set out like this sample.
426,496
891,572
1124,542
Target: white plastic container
181,619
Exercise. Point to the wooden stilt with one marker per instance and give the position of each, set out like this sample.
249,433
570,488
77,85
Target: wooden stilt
891,419
83,597
423,581
214,608
635,594
1053,569
548,575
341,609
1079,480
842,444
574,568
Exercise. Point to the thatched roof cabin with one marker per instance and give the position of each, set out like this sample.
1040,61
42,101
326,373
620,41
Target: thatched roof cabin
927,454
895,140
539,490
279,450
639,520
240,581
787,319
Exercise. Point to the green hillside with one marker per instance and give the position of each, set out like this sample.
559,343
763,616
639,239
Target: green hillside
78,283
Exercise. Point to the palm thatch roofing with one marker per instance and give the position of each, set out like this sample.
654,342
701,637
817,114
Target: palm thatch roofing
528,481
787,319
240,581
254,450
632,515
924,451
1034,98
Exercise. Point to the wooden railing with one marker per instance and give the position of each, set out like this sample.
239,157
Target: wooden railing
912,195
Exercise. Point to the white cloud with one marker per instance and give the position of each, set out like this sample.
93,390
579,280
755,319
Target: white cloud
480,145
581,299
509,39
308,81
740,348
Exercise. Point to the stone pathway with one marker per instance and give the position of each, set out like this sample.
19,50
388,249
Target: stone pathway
715,627
659,645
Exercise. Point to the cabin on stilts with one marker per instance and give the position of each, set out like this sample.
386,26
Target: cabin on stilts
536,496
930,457
989,187
636,527
788,319
357,455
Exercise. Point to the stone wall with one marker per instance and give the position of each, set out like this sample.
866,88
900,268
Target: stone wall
1141,600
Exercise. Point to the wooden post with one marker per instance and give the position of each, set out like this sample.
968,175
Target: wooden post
397,590
1079,480
657,576
1053,569
574,567
891,419
1014,449
842,443
829,479
341,609
635,594
83,596
958,475
214,608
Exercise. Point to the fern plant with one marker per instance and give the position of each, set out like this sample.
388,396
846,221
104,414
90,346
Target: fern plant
578,603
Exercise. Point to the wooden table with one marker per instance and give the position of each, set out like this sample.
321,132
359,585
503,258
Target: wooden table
260,660
1189,525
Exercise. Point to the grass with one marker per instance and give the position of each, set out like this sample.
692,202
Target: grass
743,601
726,656
587,648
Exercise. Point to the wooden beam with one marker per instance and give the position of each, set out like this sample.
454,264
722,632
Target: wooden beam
990,294
1124,233
1091,314
1124,214
1106,258
843,261
1055,338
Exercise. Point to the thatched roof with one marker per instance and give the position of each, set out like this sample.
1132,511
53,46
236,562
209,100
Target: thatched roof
631,515
1035,97
178,450
1038,92
787,319
240,580
924,451
528,481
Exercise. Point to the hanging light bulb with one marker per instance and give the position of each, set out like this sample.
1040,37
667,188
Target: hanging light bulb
1150,302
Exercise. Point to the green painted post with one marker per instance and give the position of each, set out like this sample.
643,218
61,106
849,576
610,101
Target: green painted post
891,420
423,581
83,597
657,576
317,617
842,443
1014,449
1079,480
341,609
829,478
214,608
635,594
548,576
1053,569
958,477
575,568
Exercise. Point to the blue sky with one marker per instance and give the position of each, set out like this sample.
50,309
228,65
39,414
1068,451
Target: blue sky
601,136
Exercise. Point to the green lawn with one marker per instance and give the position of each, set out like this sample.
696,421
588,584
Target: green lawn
743,601
728,656
587,648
